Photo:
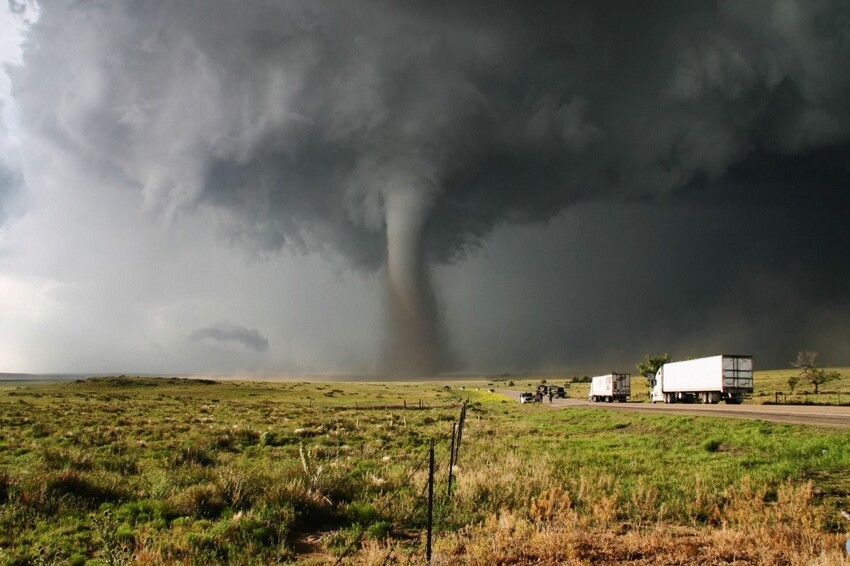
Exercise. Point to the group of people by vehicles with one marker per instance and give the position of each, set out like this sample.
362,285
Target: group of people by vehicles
543,390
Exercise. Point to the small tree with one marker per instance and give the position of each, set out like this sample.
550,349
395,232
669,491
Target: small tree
819,376
806,362
651,364
792,382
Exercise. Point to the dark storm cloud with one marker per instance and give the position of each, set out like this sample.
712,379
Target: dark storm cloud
305,121
224,331
299,117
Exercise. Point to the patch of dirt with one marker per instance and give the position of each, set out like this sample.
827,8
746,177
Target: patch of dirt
308,546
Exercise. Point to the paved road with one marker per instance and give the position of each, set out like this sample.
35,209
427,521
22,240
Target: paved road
801,414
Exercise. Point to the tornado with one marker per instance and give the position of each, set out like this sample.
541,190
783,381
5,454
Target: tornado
413,341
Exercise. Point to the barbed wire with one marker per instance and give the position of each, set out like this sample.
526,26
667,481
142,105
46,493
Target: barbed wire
407,482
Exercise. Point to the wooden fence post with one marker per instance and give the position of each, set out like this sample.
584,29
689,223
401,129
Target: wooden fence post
451,460
430,502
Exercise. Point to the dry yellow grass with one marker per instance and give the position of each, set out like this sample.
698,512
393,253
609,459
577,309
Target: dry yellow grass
750,531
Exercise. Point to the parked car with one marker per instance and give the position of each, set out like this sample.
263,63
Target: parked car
526,397
560,392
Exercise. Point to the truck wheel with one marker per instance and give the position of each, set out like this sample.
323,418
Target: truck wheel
610,399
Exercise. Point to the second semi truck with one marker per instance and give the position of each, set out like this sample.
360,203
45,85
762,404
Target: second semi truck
610,387
726,377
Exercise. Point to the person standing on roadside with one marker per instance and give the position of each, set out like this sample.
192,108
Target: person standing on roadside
551,394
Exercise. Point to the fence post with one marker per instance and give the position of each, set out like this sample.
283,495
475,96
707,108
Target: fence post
460,431
451,460
430,502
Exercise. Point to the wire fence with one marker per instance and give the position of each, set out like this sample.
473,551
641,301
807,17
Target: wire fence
451,443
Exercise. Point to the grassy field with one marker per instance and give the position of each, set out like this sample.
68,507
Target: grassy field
167,471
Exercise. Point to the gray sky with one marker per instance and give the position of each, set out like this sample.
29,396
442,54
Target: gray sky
206,186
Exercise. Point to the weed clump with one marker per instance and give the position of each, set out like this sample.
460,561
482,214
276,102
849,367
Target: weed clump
200,500
60,459
91,490
194,454
6,483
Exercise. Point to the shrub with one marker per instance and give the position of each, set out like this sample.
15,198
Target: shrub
712,445
58,459
41,430
6,483
267,438
246,436
379,530
361,513
199,500
136,512
198,454
116,541
91,490
124,465
236,487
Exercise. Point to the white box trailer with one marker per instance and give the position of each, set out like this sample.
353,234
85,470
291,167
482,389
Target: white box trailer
610,387
726,377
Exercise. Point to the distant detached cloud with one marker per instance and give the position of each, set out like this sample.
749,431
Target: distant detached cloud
224,331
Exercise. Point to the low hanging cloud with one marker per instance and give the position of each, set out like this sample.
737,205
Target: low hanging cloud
224,331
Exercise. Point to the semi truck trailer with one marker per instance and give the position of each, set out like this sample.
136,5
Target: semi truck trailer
726,377
610,387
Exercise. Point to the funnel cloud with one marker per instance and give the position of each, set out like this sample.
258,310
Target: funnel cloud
414,347
409,139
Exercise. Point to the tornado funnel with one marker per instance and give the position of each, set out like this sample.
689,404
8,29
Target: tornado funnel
413,338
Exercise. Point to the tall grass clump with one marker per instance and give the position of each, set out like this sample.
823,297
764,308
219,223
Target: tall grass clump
195,453
6,484
91,489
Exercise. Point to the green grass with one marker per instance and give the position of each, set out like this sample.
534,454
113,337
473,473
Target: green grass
179,470
767,383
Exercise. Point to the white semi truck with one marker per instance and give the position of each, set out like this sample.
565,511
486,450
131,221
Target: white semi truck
704,380
610,387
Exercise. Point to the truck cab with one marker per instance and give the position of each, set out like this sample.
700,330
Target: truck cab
656,392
